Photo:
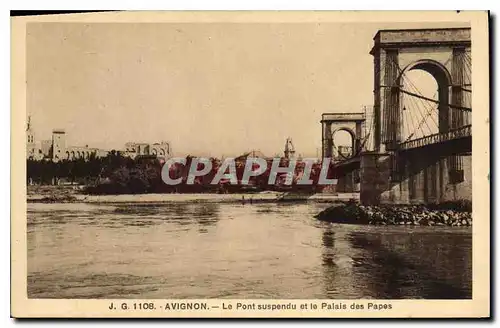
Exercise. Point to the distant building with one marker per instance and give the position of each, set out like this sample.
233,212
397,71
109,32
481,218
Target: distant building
75,152
46,150
58,145
56,149
343,153
31,151
159,149
289,151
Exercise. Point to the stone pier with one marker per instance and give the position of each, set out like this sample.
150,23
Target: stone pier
419,179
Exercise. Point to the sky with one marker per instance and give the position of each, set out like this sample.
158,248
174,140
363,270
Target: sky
217,89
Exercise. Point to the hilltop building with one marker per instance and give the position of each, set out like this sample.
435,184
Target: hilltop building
158,149
56,149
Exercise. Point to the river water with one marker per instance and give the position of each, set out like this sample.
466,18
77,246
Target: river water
207,250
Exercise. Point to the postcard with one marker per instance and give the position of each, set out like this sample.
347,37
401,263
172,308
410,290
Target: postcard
246,164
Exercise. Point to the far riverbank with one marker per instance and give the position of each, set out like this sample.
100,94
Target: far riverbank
71,194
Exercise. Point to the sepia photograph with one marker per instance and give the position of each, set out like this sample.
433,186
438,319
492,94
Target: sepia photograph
238,164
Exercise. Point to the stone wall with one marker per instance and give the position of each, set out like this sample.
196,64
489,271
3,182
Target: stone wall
425,179
375,177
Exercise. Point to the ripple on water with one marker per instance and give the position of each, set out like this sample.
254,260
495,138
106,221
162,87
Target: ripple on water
210,250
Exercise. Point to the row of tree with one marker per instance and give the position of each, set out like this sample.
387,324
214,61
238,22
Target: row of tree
78,171
115,174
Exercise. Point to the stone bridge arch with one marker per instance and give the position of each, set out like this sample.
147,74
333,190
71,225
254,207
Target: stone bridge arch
443,79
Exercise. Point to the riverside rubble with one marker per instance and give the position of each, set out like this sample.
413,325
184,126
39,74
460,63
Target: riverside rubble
421,215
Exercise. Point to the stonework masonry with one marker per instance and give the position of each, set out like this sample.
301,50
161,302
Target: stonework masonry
429,173
426,181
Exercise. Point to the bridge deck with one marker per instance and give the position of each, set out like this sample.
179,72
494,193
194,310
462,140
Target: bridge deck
433,140
462,132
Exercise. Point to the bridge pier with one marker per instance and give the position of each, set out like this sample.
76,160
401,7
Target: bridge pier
416,179
374,177
348,182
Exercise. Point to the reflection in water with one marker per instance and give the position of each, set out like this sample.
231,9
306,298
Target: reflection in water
397,264
330,268
415,265
210,250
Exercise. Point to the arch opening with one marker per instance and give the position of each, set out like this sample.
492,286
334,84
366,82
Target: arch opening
423,117
343,140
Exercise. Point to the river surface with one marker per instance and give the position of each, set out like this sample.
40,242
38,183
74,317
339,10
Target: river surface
208,250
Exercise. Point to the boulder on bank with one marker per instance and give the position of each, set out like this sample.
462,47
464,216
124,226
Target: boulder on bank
421,215
344,213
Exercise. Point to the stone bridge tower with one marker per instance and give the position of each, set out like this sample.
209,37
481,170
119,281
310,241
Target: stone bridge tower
349,122
440,52
445,55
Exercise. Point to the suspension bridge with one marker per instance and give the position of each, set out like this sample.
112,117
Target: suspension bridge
411,147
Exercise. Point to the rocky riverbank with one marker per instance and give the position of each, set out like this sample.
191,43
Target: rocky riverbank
436,215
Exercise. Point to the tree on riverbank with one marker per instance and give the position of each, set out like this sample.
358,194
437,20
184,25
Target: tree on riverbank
77,171
116,174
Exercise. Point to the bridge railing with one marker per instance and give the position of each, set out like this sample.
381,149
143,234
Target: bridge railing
464,131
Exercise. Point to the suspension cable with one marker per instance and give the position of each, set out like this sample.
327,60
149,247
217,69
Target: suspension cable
414,100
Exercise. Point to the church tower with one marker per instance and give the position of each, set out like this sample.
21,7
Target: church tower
30,140
289,149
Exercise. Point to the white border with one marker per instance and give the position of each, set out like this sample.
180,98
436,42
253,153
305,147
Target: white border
184,5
